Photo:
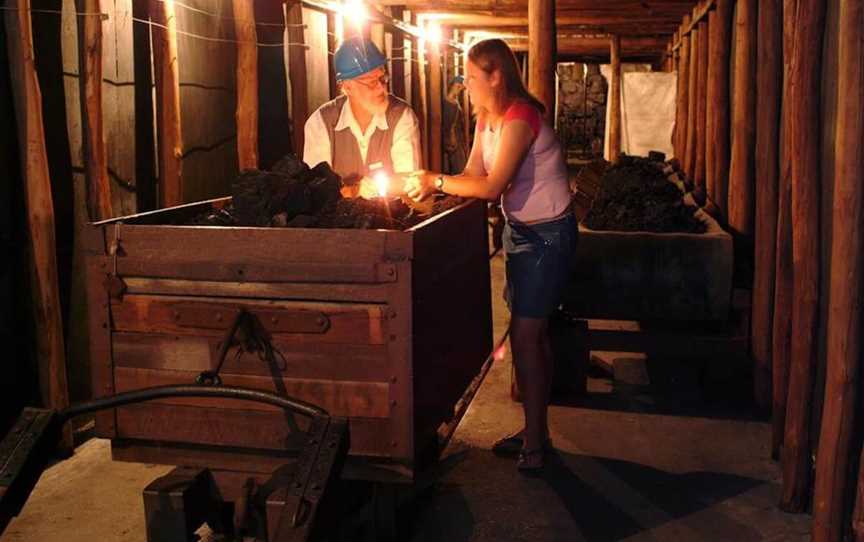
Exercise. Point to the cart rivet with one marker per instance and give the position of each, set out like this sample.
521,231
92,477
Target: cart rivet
176,315
393,403
218,316
320,321
274,320
297,484
393,379
316,487
392,337
390,271
394,443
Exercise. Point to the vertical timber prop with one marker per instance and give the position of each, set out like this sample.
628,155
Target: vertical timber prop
846,290
420,92
332,44
397,72
95,152
781,334
466,100
673,51
146,189
769,78
701,104
167,81
376,30
50,349
804,95
710,156
434,51
741,168
692,73
247,84
615,99
297,63
681,106
718,101
542,53
669,62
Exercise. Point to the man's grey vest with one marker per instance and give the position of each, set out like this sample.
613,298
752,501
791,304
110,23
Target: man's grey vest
345,155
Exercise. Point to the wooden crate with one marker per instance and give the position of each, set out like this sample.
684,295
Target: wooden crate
652,276
385,327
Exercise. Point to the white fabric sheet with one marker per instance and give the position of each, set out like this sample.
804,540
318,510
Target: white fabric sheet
647,112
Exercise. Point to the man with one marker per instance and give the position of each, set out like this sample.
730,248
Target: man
366,129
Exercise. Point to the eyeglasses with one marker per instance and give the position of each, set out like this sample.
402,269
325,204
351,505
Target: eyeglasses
373,82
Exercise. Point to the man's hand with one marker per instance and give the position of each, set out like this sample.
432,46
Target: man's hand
368,188
421,185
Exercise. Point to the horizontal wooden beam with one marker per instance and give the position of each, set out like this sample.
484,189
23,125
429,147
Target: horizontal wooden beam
608,5
562,18
599,46
665,31
328,6
701,12
581,23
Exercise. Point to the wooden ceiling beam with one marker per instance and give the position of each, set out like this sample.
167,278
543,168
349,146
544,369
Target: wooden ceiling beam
498,5
561,21
520,18
644,29
599,46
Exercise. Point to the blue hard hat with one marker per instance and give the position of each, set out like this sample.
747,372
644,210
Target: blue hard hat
458,79
355,57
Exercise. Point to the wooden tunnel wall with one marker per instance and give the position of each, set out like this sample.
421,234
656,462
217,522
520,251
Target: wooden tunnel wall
782,159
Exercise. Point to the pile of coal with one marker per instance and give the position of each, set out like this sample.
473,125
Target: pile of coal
295,196
636,195
290,192
359,213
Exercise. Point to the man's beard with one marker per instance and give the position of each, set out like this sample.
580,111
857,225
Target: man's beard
378,107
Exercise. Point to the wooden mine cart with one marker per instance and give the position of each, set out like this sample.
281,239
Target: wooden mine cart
386,328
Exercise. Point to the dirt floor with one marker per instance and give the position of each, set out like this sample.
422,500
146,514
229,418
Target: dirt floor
654,453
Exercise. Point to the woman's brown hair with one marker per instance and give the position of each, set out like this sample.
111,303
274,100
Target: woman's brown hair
494,54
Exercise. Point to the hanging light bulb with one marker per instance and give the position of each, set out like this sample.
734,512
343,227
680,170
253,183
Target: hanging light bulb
433,33
354,11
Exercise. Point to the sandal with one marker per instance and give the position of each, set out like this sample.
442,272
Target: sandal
511,445
530,461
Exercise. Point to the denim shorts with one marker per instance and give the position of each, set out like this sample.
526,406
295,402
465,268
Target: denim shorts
538,265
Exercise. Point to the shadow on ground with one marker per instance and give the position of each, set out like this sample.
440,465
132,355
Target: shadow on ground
675,387
607,500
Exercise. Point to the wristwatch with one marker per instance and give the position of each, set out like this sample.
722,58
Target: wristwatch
439,183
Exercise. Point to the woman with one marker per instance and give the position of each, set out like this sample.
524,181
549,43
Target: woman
517,157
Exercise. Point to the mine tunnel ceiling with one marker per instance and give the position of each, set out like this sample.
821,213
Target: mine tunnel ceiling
583,26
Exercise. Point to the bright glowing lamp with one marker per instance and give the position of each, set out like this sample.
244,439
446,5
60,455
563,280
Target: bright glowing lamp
382,182
433,33
355,12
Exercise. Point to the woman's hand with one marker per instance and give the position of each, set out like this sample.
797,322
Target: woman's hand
421,184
